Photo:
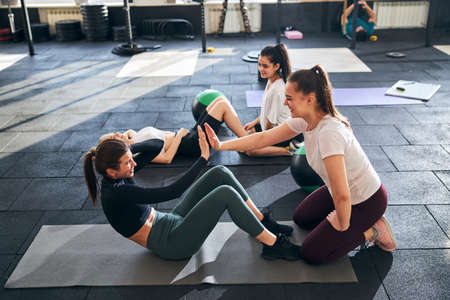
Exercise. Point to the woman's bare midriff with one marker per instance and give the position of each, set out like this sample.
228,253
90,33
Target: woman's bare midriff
141,235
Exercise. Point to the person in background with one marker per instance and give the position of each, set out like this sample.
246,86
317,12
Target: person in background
365,22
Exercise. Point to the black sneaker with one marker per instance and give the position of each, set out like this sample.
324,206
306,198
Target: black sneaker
282,249
274,227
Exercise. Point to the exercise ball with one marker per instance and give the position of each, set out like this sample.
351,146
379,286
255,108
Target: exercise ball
202,100
302,172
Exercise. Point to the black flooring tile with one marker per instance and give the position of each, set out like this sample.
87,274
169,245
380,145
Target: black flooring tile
231,90
266,190
378,159
8,160
76,122
131,120
135,93
416,274
10,189
5,261
4,119
352,115
37,142
106,106
67,293
162,104
415,228
185,91
267,291
426,134
54,194
414,188
6,138
441,98
378,135
82,140
369,285
230,69
38,164
418,158
167,120
441,213
64,218
444,176
243,78
15,228
386,115
32,123
206,79
431,114
153,292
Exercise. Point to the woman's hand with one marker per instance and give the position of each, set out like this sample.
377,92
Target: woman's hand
212,137
249,125
204,147
182,132
334,221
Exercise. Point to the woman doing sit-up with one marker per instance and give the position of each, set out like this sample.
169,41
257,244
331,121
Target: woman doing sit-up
179,234
348,209
159,146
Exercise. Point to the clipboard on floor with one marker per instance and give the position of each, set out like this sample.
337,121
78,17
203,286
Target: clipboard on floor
413,90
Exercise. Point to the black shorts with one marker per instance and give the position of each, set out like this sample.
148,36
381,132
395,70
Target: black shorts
189,144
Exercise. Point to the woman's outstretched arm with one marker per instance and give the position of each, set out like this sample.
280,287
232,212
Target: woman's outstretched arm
254,141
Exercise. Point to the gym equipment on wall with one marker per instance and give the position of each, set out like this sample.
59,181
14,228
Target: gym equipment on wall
130,48
244,13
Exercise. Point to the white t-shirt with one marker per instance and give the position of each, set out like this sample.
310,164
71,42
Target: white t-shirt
331,137
148,133
272,107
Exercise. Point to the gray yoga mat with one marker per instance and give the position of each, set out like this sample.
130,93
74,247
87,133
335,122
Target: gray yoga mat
95,255
346,97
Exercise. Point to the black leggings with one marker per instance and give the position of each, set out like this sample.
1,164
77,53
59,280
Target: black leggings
189,144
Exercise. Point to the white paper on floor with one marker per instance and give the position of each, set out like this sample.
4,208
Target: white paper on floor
7,60
334,60
443,48
161,64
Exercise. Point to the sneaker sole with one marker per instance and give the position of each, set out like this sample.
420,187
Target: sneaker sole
391,234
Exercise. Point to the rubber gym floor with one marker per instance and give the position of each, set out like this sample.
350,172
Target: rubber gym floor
55,105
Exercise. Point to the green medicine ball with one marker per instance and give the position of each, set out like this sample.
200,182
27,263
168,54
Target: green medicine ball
202,100
302,172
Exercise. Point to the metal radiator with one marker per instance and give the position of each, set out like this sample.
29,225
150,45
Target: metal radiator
52,15
401,14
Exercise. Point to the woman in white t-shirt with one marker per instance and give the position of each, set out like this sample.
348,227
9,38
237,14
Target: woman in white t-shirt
273,64
348,210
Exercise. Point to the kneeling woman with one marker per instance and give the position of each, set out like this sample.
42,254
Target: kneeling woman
159,146
349,209
181,233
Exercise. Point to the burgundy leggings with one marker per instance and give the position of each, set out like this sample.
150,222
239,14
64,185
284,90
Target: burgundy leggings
324,243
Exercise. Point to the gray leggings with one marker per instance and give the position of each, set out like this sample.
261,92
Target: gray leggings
181,233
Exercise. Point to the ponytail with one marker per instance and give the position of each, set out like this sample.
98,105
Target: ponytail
278,54
89,174
105,156
315,80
